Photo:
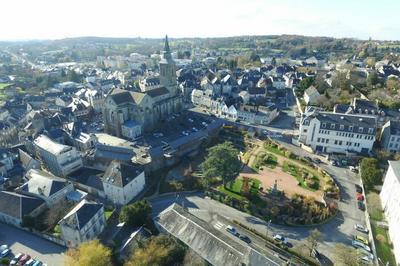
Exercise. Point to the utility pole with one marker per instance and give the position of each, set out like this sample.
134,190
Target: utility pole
269,222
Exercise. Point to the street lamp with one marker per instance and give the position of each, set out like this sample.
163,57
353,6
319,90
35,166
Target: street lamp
269,222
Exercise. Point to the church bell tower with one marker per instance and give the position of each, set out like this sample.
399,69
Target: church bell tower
168,69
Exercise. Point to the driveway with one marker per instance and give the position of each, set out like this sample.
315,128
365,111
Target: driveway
21,241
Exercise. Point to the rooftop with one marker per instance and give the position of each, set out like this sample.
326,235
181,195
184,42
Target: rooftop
49,145
81,214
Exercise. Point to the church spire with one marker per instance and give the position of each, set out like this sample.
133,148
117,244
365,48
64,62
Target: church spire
166,45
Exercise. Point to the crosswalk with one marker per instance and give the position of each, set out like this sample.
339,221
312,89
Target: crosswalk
219,225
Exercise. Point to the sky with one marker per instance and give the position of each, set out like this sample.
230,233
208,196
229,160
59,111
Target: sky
56,19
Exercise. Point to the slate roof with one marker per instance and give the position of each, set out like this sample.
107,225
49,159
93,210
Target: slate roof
120,174
120,96
49,145
157,92
342,108
347,120
81,214
205,240
89,177
43,183
18,205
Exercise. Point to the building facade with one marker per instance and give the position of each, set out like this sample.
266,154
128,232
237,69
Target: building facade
83,223
60,159
146,108
123,182
390,136
390,202
337,133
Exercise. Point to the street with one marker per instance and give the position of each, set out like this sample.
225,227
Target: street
20,241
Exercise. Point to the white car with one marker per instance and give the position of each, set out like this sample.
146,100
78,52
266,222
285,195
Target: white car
361,228
280,239
4,251
357,244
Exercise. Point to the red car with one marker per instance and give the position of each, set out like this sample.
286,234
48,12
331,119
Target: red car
359,197
24,259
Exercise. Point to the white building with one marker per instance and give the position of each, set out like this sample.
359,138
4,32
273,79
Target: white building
123,182
83,223
60,159
391,204
46,186
341,133
390,136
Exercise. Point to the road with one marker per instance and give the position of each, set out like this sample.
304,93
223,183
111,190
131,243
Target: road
25,242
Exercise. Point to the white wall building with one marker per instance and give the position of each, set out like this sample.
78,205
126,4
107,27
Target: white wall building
83,223
60,159
391,204
123,182
341,133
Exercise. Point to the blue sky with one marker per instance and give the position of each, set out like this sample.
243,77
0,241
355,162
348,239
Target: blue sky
54,19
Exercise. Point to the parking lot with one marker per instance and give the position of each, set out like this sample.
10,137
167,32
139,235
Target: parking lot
20,241
174,127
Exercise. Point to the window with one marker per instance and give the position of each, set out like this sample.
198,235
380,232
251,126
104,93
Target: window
327,141
305,130
360,129
341,127
318,139
336,142
370,130
332,126
351,128
323,125
340,142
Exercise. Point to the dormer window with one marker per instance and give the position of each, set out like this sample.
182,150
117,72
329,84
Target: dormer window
360,129
370,130
323,125
341,127
332,126
350,128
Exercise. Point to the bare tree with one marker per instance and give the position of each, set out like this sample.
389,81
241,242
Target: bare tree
313,240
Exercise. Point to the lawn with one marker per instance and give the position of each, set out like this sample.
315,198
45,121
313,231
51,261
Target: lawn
230,193
108,213
265,159
296,172
3,85
383,248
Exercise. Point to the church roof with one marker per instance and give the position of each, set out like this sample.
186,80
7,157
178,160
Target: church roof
121,96
157,92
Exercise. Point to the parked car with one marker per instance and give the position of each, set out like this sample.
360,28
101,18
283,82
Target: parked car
245,239
360,197
30,262
361,239
358,188
363,252
4,251
16,259
361,205
24,259
38,263
316,254
280,239
232,230
361,228
317,161
358,244
353,169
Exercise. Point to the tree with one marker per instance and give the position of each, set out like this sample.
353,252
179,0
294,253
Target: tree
372,79
73,76
370,172
88,254
136,214
273,61
313,239
345,256
306,83
159,250
223,161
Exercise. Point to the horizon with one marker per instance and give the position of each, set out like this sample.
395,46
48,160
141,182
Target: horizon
45,20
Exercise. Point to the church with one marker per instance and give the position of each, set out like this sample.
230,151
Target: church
130,113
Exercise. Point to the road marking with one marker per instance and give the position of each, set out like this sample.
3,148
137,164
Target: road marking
195,210
219,225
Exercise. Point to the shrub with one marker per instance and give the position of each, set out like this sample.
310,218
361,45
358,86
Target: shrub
380,238
4,261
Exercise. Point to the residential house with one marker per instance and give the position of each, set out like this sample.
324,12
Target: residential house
123,182
311,95
83,223
337,133
60,159
259,115
27,161
45,186
390,136
14,207
390,202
